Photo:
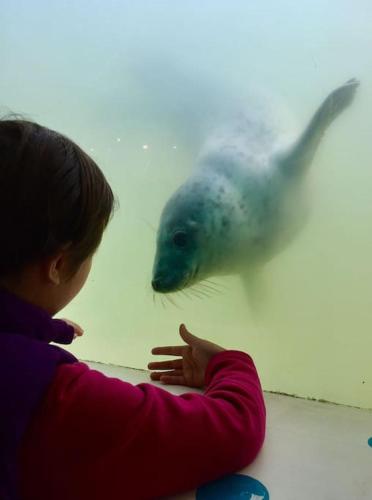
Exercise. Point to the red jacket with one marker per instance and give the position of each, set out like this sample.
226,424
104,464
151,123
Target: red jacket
100,438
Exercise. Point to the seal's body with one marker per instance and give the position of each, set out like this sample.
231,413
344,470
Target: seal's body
244,203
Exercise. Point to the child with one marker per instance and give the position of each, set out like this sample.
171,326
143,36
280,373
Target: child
69,432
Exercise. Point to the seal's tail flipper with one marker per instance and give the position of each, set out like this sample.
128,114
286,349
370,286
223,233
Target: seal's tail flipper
299,158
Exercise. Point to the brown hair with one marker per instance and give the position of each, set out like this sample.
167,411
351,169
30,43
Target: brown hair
51,194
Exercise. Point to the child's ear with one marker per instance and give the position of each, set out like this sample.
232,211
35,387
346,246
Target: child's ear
54,268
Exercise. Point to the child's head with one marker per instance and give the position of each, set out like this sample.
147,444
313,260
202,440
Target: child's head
54,206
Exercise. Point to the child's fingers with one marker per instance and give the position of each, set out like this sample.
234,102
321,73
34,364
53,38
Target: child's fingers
165,365
77,328
160,375
188,337
173,380
169,350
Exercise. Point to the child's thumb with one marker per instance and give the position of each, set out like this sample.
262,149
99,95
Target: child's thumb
187,336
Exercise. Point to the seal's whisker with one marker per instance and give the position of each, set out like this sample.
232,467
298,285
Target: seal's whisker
196,293
212,292
213,283
185,294
172,301
190,292
150,226
203,292
209,293
210,288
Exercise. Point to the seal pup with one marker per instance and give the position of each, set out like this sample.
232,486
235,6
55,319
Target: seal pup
244,203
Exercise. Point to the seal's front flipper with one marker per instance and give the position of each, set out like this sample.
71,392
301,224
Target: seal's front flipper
255,287
299,158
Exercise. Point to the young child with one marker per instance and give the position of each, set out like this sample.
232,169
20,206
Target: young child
68,432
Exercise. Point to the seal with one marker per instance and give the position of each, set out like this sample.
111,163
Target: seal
244,203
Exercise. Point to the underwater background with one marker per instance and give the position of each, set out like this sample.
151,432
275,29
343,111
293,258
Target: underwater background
131,82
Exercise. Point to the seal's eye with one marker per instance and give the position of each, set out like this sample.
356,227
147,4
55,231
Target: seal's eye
180,239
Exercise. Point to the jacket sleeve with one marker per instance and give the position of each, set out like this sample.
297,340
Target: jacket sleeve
108,435
60,332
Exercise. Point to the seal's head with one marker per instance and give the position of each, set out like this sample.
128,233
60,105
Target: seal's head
183,244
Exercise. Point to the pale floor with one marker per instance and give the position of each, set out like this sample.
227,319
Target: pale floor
313,450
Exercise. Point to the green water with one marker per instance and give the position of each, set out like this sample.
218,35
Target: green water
130,81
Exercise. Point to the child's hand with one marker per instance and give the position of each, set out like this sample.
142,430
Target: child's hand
190,368
78,331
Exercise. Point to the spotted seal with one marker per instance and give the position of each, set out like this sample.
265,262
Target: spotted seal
243,204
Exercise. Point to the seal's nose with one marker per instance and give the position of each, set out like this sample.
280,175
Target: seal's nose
156,284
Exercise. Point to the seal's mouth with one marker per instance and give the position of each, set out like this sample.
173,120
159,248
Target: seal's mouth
159,285
162,284
170,283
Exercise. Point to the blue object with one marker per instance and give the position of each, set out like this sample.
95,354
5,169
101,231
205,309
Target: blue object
234,487
370,442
